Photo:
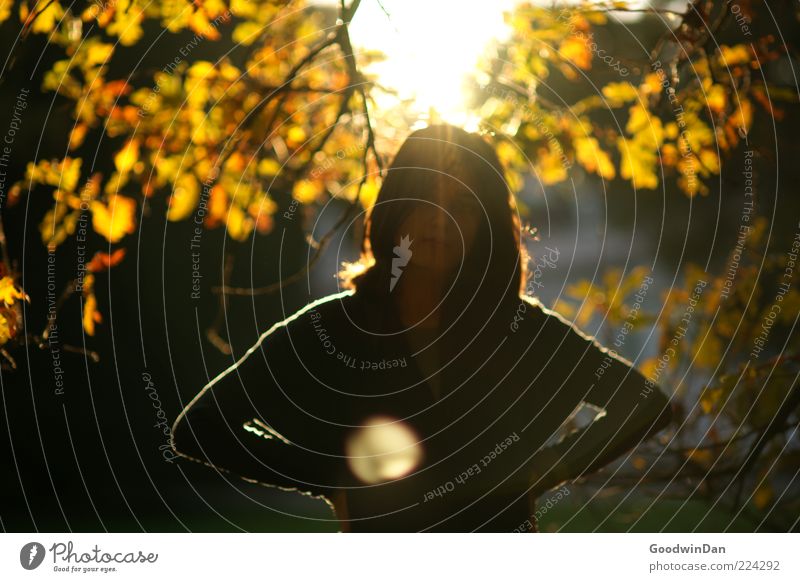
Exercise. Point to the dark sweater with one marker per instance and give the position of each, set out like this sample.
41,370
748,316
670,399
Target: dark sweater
284,413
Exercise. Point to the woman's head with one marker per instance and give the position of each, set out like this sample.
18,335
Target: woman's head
445,208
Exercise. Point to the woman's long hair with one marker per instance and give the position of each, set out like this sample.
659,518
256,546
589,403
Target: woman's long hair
494,269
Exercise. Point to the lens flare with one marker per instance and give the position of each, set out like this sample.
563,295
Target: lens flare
383,449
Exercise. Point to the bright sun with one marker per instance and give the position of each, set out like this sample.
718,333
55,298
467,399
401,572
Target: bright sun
430,46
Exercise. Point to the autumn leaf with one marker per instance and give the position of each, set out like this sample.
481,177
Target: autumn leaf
217,207
127,157
104,261
127,22
734,55
575,50
551,166
44,16
90,314
184,197
592,157
115,220
239,224
369,192
638,163
307,191
10,324
247,32
268,167
62,174
5,9
77,135
9,292
717,98
620,93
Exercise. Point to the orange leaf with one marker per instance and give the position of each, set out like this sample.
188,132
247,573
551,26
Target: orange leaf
90,314
104,261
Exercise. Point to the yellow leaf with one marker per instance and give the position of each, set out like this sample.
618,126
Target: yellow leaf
652,83
57,225
6,331
127,157
244,8
46,21
716,98
669,155
697,134
5,9
551,166
689,181
369,193
9,292
127,23
184,197
69,172
115,183
644,128
199,23
247,32
710,160
97,53
77,135
296,135
734,55
619,93
202,70
115,220
239,224
592,157
575,50
637,163
268,167
90,314
307,191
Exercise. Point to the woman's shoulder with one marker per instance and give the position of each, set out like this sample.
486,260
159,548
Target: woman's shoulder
533,316
529,314
331,306
329,310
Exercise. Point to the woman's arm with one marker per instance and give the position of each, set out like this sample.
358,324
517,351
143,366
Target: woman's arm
634,409
227,426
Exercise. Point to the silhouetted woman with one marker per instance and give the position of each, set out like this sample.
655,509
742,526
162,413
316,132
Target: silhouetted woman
421,398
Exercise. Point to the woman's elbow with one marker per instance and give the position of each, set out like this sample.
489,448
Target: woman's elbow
661,410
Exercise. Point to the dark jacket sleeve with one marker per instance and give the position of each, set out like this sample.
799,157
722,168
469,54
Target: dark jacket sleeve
608,380
247,421
634,408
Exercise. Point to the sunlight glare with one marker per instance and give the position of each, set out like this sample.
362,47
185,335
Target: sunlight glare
430,47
